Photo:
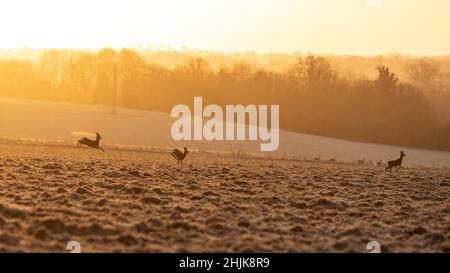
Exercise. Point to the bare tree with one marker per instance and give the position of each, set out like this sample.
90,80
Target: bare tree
424,74
313,72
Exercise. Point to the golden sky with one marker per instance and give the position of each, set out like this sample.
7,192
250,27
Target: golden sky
365,27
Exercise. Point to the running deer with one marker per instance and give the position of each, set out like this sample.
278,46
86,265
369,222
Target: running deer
395,163
178,155
91,143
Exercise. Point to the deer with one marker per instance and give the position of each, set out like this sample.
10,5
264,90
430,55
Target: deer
178,155
91,143
333,160
317,159
395,163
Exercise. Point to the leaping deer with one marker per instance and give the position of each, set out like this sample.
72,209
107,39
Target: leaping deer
395,163
178,155
91,143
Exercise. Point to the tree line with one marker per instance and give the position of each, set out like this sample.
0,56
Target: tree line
313,95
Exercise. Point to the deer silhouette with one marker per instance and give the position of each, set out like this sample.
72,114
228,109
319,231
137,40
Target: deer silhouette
178,155
91,143
395,163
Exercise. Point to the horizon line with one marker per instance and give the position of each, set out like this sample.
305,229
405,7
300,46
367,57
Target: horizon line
192,50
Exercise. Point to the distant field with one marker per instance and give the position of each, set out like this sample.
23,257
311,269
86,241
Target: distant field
67,122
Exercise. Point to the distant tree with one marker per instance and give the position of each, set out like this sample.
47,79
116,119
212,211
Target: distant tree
386,80
105,59
313,72
197,67
131,67
51,64
424,74
241,71
19,78
78,74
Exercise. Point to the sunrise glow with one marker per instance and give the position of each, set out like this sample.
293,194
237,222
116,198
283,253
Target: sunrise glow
325,26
